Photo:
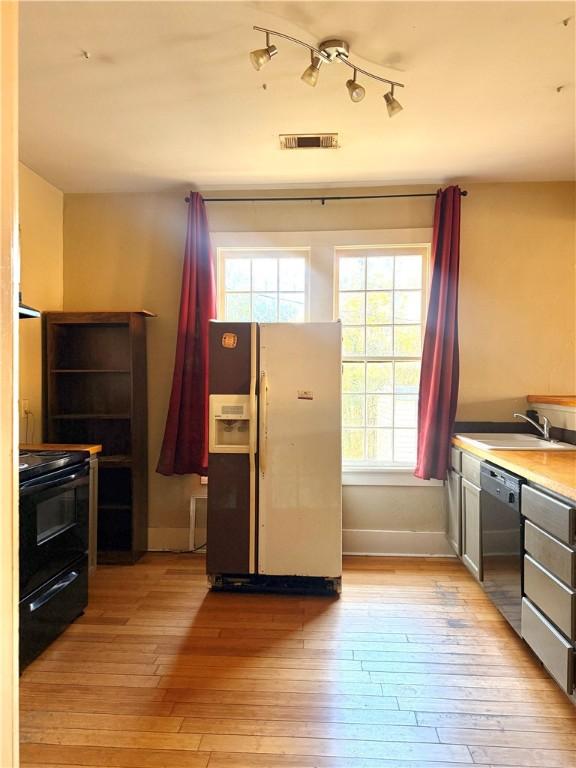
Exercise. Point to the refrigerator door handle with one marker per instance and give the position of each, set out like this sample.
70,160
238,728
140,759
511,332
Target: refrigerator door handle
253,440
263,421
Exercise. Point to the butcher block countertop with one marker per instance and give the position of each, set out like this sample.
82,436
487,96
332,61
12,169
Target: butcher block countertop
553,399
92,449
554,470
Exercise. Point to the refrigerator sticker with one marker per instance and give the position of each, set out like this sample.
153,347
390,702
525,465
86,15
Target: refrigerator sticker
305,394
229,340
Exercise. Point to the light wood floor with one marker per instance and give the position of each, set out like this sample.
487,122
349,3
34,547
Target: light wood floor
411,667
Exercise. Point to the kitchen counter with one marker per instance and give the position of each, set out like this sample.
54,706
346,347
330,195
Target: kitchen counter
92,449
554,470
569,400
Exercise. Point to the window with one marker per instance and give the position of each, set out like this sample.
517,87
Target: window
376,281
263,286
381,302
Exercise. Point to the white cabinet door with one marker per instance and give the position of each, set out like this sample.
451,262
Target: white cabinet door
300,472
454,504
471,530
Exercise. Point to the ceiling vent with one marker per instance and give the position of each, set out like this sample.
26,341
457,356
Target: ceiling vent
308,141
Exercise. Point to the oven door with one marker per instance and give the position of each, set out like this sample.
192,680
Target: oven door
53,524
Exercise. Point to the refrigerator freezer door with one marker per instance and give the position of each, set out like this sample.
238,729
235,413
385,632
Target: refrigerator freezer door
300,472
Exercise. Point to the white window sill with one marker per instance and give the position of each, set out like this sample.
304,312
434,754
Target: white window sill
399,476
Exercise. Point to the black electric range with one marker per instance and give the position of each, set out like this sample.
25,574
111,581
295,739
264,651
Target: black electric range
54,523
37,463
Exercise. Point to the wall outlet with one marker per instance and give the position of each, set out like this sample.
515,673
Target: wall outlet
203,480
24,407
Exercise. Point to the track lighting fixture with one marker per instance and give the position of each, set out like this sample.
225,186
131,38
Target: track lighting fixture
355,90
263,55
392,105
310,74
327,51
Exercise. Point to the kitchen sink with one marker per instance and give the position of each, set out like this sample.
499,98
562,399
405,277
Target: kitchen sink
512,442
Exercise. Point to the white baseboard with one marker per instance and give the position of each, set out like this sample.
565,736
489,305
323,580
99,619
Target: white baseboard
398,543
354,542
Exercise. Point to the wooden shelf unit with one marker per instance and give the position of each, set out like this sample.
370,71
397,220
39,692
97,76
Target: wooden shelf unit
94,391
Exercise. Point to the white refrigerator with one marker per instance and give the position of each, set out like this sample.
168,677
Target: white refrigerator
275,466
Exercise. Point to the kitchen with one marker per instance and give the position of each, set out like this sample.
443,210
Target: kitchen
516,293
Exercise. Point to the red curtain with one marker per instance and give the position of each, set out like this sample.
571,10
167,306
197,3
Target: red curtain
185,446
440,362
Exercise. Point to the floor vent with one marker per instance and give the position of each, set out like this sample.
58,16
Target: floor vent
308,141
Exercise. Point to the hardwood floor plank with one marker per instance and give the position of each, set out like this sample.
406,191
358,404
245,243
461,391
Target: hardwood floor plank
247,649
104,722
257,662
525,739
280,686
335,748
324,730
552,696
543,683
502,706
86,691
446,668
79,703
523,758
289,698
246,760
106,738
295,713
94,667
509,722
57,756
245,671
77,678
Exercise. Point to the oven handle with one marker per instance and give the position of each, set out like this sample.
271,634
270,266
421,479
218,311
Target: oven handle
53,591
25,489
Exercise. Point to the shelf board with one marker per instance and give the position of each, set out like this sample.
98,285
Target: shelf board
89,416
90,370
114,460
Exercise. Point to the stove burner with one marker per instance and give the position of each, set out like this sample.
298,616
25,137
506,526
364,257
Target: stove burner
22,466
23,454
51,454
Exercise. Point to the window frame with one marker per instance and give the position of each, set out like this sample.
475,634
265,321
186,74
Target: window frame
357,470
251,252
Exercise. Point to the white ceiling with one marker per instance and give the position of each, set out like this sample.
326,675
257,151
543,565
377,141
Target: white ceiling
168,95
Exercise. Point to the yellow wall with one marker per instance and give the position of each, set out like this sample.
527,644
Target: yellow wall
517,295
41,281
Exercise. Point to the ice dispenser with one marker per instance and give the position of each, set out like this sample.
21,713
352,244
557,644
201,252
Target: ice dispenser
229,423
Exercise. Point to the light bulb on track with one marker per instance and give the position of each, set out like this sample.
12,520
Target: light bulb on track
355,90
262,56
392,105
310,74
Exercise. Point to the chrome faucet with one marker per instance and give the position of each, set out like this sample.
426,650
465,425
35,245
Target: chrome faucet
544,429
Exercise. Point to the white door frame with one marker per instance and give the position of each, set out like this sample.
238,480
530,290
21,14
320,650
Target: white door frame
9,270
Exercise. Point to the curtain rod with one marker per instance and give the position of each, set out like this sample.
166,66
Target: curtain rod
321,199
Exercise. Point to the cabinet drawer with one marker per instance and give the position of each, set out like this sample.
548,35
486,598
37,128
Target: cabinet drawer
456,459
548,644
551,553
471,469
554,516
554,599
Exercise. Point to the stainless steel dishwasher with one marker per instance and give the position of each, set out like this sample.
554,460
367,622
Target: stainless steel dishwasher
502,540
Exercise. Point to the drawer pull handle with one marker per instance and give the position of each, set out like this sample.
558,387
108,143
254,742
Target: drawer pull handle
53,591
